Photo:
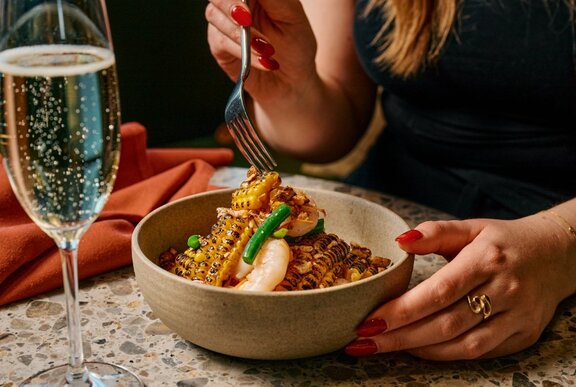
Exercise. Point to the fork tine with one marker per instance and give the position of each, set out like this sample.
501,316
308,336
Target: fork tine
246,147
239,135
251,143
259,146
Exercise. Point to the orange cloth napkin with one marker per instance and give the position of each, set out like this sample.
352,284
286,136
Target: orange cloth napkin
147,179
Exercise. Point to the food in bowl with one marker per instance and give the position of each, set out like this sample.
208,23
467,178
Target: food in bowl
271,238
268,325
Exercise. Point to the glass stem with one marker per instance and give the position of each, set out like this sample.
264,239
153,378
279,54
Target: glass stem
69,255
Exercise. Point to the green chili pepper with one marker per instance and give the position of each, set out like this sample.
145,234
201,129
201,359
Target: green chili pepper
194,241
264,231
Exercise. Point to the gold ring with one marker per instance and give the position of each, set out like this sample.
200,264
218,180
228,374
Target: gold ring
480,304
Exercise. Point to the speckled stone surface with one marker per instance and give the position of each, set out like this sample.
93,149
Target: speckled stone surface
119,327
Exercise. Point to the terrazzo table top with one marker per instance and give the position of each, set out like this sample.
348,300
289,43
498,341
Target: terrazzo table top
119,327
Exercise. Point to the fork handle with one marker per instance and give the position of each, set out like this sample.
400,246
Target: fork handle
245,45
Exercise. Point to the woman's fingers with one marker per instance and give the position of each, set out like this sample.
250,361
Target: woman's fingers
447,286
437,328
445,238
224,42
479,328
264,13
285,11
475,343
223,22
225,51
443,326
228,7
500,335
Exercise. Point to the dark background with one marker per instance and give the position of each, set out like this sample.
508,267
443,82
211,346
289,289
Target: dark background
169,81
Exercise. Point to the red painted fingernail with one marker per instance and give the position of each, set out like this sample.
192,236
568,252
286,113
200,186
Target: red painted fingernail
371,327
262,47
241,16
269,63
409,236
364,347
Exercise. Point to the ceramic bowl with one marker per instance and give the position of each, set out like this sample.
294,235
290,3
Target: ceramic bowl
268,325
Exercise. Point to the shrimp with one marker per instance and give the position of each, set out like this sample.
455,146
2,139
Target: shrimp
269,267
305,212
304,222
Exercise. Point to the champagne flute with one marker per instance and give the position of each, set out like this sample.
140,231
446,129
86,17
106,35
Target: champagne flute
60,142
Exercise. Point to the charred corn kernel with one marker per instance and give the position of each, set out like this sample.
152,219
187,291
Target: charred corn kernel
331,276
353,274
357,263
290,281
355,267
293,275
200,257
325,252
379,262
255,194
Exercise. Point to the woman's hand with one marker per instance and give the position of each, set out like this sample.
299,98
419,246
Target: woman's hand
525,267
312,99
281,38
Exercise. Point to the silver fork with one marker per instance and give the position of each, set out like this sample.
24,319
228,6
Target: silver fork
237,119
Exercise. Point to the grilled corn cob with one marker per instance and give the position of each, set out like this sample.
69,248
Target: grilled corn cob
315,260
360,263
357,266
254,192
218,252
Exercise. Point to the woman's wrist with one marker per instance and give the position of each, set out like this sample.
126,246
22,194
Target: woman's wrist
562,245
567,225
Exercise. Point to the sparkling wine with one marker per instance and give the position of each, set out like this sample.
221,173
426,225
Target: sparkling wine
60,132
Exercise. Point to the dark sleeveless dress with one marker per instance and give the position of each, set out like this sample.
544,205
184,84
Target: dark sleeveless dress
489,130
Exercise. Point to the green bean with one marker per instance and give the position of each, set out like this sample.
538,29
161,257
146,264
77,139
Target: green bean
263,232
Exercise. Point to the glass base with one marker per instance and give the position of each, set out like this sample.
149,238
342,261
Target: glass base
99,375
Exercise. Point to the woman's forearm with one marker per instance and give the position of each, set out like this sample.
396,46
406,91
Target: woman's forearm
319,124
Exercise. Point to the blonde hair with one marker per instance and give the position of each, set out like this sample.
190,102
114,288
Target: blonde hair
418,31
415,31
